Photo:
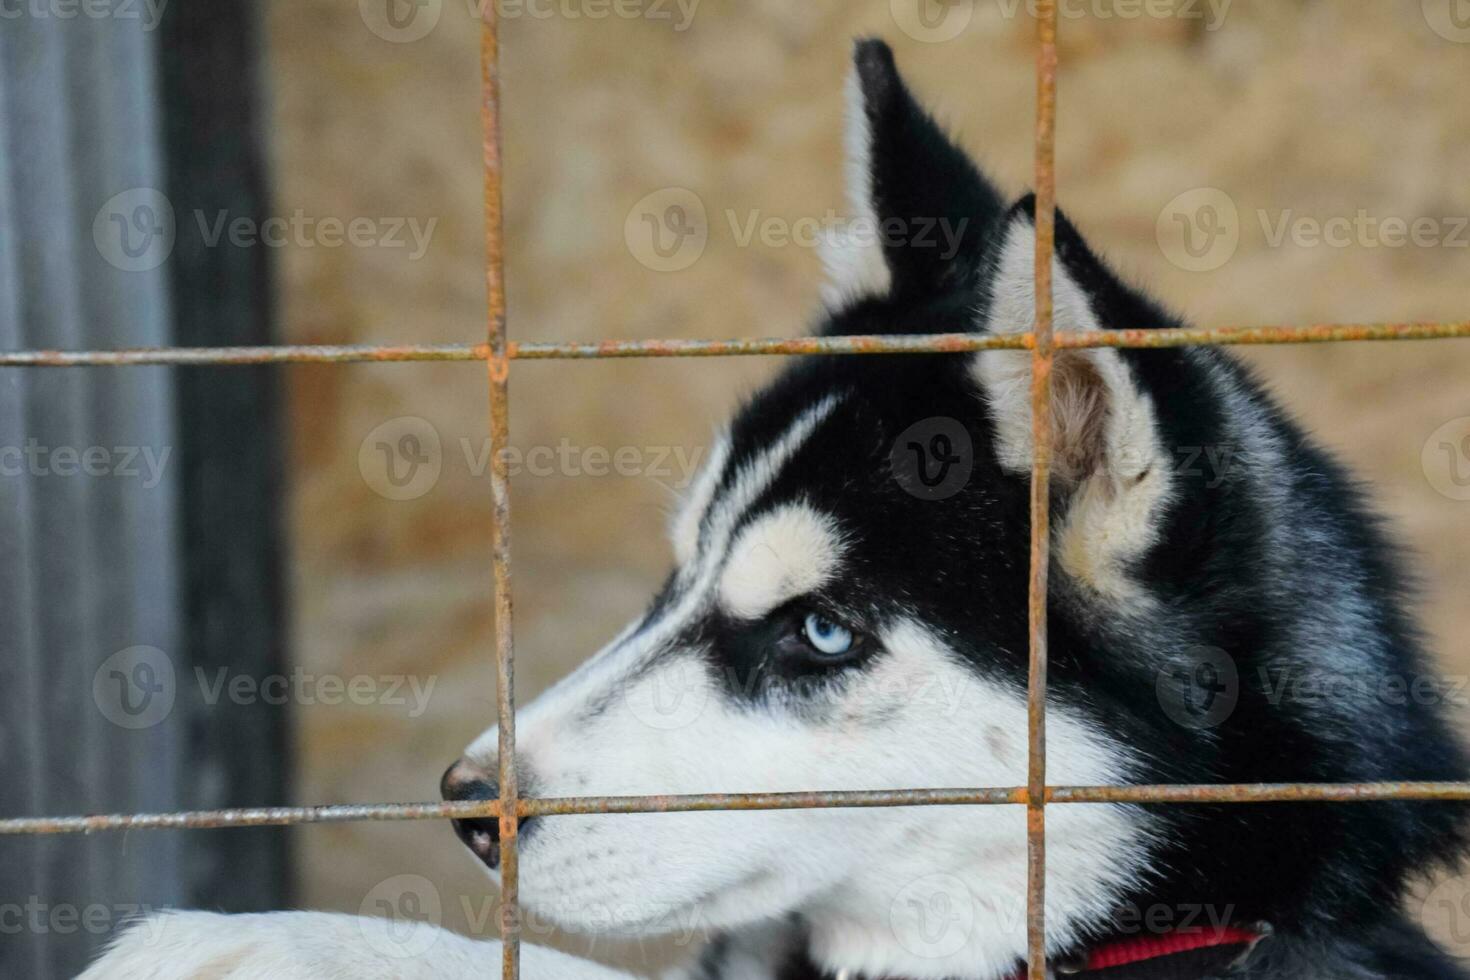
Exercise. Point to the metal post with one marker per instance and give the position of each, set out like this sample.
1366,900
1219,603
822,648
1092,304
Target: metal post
498,363
1041,431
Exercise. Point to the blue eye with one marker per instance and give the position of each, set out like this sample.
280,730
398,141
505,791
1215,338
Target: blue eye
827,637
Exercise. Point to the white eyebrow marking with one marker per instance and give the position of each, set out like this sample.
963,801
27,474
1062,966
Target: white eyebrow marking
684,529
790,551
720,514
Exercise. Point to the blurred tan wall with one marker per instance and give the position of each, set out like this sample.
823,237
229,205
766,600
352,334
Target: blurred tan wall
1290,109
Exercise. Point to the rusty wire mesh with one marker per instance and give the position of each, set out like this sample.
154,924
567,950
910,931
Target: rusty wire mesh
497,353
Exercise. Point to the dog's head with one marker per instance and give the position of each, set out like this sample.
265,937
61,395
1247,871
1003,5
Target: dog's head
848,610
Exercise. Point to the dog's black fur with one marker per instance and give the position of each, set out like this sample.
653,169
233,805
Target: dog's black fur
1273,558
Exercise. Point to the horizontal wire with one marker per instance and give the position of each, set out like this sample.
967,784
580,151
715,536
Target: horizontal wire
273,816
1263,793
284,354
537,807
943,343
932,343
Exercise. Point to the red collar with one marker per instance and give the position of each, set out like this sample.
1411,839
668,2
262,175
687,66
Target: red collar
1169,956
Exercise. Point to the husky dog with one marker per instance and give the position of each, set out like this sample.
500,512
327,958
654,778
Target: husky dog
848,612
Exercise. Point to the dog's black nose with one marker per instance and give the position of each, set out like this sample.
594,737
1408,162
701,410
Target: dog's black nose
464,781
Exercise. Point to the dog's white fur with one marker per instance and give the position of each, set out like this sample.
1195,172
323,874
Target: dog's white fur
315,946
1127,479
638,718
789,552
684,528
644,716
852,253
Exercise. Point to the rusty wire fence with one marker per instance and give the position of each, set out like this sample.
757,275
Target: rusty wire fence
498,352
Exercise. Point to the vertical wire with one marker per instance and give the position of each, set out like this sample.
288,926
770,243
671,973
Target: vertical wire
1042,441
498,364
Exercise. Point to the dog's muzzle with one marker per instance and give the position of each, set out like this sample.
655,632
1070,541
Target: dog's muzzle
463,782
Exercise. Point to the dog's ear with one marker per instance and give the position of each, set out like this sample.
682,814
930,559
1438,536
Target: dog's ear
921,211
1109,453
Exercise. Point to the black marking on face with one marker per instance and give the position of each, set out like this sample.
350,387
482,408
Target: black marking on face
771,655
